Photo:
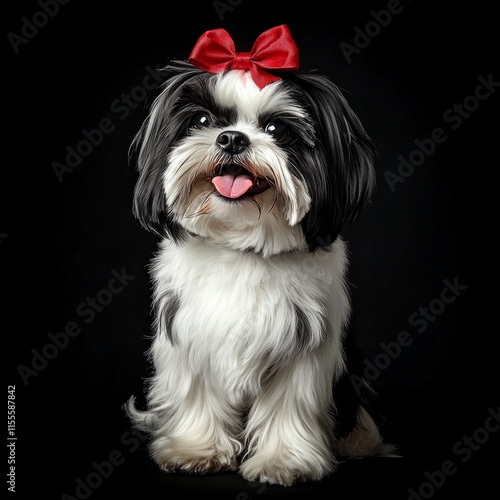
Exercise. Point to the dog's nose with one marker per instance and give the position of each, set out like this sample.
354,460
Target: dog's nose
233,142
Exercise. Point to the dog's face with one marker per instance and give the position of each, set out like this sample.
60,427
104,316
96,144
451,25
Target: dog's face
267,170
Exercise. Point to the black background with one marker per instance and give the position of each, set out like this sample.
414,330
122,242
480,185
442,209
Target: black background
60,241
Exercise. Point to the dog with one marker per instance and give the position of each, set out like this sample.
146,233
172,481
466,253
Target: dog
247,171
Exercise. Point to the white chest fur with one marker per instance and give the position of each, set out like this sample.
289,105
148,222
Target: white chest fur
237,314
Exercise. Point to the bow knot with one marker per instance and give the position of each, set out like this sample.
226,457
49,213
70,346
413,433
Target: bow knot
274,49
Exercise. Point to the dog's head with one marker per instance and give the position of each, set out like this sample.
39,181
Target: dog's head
267,169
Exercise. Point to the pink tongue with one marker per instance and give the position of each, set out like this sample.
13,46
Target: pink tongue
232,186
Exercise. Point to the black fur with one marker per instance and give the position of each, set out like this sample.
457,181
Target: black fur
341,172
152,145
351,391
166,310
331,152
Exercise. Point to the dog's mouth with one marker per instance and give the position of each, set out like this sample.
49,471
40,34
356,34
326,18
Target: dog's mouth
234,181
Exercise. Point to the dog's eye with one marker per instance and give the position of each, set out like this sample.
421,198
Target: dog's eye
278,130
201,120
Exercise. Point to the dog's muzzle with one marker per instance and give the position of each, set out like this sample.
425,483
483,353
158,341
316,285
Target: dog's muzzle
235,179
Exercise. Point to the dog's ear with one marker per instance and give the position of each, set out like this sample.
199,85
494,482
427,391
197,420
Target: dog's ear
150,149
342,176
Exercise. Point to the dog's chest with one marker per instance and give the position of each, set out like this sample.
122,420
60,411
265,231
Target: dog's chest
240,302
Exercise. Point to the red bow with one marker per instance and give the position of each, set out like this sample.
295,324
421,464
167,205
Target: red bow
274,49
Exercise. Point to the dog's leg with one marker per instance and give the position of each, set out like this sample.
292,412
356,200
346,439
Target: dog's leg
194,426
197,433
289,429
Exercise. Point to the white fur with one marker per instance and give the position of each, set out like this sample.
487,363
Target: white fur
241,225
245,359
243,376
237,87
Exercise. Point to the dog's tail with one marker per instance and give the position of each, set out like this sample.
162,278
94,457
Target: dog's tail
359,414
364,438
144,420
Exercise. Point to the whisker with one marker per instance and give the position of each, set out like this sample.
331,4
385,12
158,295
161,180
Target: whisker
204,209
194,174
186,160
259,208
274,180
275,200
217,162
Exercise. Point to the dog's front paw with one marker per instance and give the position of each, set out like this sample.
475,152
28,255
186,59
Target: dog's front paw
188,457
198,464
283,470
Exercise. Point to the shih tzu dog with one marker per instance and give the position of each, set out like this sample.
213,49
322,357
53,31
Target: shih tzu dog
248,170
